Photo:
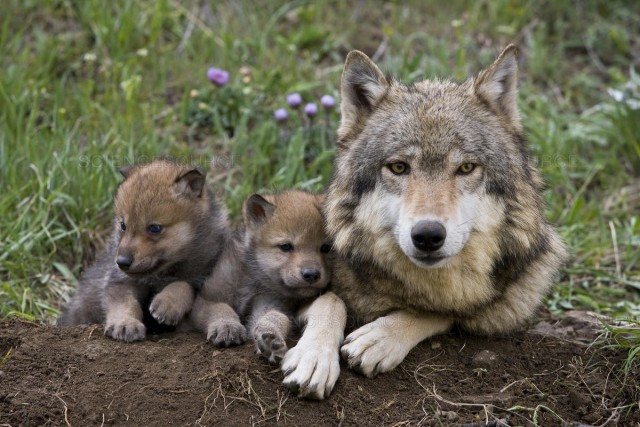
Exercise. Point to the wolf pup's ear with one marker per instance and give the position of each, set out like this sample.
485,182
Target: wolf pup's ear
498,84
126,171
362,86
191,183
257,210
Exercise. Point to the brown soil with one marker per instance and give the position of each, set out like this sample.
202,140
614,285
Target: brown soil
78,377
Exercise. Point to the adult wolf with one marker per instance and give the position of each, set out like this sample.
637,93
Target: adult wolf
435,209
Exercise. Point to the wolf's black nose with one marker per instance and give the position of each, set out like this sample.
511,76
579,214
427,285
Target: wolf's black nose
311,275
124,261
428,236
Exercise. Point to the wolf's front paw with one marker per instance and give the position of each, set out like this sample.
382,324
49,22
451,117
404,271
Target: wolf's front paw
374,348
165,311
126,329
312,367
271,345
226,333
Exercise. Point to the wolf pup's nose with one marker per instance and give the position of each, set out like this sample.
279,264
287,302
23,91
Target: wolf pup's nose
124,262
428,236
311,275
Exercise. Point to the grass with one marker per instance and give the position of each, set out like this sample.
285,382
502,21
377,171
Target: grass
87,86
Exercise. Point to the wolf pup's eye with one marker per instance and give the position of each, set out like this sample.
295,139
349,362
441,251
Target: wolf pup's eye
123,226
399,168
325,248
466,168
286,247
154,229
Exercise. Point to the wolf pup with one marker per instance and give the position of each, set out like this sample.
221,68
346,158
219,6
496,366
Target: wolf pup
437,217
278,262
169,230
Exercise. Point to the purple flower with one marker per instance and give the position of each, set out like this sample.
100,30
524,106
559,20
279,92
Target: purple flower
217,76
328,101
294,99
281,114
311,109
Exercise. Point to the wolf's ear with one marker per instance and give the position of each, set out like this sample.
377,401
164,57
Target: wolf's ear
498,84
191,183
362,87
126,171
256,210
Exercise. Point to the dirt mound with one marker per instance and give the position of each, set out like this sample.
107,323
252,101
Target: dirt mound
78,377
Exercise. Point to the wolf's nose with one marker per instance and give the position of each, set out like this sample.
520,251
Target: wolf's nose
428,236
311,275
124,261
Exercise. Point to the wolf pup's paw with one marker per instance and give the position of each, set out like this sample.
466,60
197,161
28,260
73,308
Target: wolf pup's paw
165,311
127,329
312,367
271,345
226,333
373,349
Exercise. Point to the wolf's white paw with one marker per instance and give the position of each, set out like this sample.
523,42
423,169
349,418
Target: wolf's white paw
374,348
312,367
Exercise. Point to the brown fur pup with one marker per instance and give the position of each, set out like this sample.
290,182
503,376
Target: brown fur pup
278,262
437,217
168,233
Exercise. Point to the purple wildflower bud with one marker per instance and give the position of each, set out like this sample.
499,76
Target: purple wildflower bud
294,99
217,76
311,109
281,114
328,101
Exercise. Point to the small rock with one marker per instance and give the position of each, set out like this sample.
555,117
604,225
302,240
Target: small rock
485,359
447,415
542,328
435,345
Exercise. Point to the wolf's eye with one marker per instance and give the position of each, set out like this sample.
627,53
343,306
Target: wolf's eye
123,226
325,248
286,247
466,168
154,228
399,168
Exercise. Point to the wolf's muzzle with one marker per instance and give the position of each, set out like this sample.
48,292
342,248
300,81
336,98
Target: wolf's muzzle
428,236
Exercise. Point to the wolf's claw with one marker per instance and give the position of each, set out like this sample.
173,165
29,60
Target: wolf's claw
128,329
227,334
165,312
372,349
311,368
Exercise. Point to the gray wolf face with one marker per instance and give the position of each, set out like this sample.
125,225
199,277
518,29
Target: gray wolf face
424,167
286,235
158,208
